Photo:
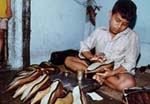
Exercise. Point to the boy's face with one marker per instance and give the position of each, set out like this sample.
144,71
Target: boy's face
117,24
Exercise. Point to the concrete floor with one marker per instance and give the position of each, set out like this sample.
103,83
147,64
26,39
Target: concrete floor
110,96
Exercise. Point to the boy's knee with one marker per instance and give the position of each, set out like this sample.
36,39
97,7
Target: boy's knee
128,84
67,60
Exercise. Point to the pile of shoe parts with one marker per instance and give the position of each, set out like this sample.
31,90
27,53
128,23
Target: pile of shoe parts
34,84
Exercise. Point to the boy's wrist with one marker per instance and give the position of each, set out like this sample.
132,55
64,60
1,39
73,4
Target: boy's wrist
89,58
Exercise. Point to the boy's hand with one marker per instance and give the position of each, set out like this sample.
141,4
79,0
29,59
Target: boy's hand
100,58
106,74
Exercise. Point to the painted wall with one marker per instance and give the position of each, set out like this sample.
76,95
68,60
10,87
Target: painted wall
55,25
15,35
143,29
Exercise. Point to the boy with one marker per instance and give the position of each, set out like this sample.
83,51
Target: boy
118,42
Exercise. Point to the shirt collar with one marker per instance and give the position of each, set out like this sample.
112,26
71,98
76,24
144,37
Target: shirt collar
125,31
121,33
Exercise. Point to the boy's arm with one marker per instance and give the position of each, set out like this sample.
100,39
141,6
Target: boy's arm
87,54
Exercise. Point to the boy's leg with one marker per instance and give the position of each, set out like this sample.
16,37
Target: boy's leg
74,63
120,81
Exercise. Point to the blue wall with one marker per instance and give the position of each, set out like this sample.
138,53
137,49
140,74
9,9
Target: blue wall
55,25
143,29
60,24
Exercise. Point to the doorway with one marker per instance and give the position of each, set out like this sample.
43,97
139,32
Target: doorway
4,53
26,32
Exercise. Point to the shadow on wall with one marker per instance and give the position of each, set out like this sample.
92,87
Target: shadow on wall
138,59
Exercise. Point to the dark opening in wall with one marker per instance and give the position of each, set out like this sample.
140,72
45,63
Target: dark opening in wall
4,53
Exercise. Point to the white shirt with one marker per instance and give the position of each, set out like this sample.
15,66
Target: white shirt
123,49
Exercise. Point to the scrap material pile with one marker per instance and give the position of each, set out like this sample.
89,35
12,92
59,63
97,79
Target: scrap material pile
35,84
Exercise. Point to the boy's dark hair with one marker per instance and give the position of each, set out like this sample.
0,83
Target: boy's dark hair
126,8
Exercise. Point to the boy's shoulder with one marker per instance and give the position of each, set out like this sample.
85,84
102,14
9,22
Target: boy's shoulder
102,28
